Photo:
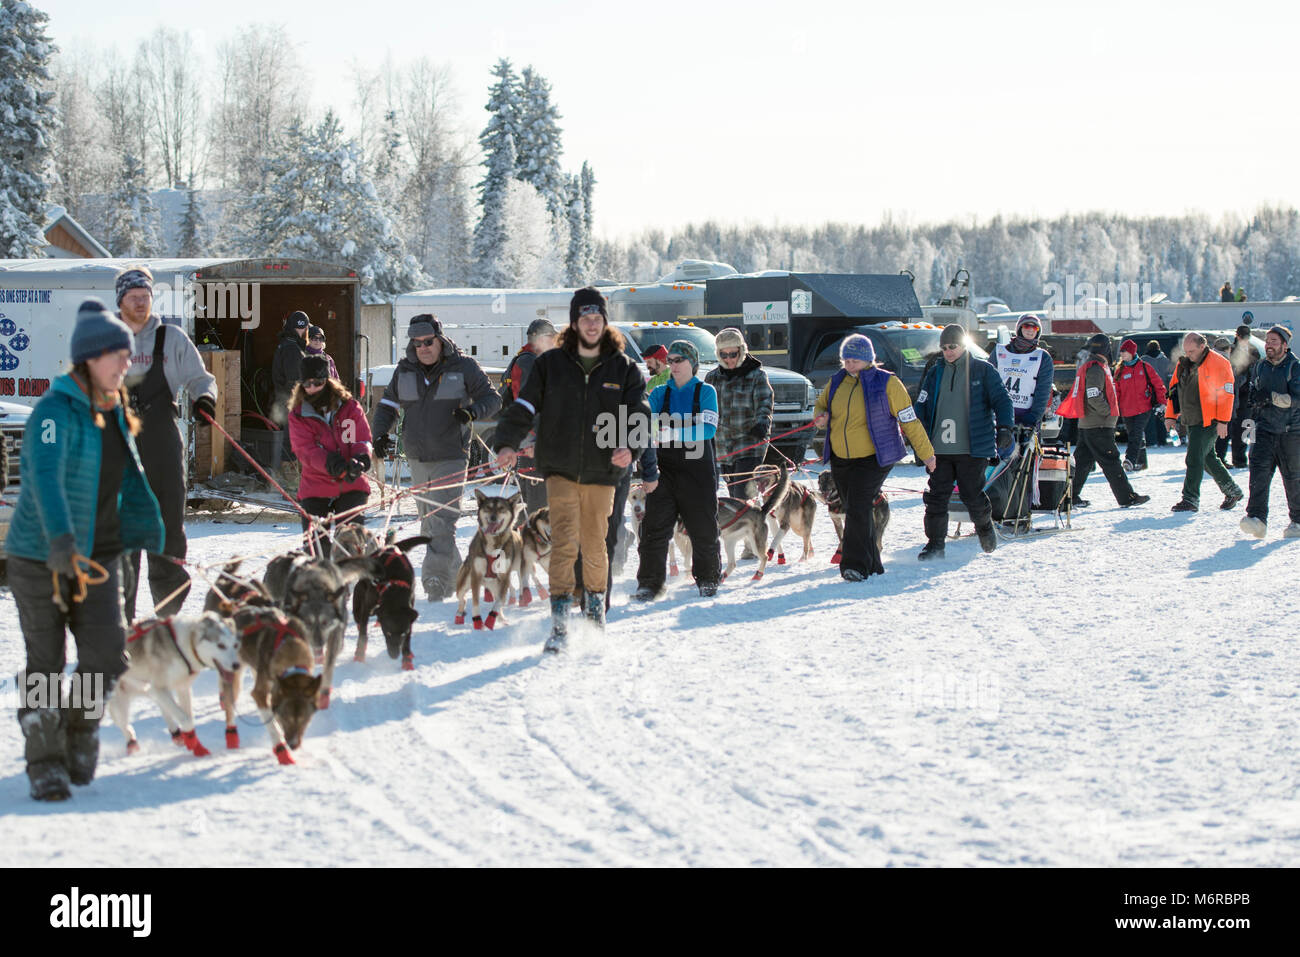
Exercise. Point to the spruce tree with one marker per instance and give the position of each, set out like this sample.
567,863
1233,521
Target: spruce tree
491,233
193,226
575,261
28,122
539,148
588,181
504,115
131,221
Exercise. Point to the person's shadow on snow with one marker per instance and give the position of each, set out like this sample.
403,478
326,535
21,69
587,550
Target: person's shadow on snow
1236,556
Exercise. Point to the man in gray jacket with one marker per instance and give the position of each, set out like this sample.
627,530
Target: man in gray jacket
1094,401
163,362
441,392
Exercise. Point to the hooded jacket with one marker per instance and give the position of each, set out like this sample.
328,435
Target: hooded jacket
1268,384
744,402
60,480
570,406
1140,387
182,363
428,395
286,366
314,436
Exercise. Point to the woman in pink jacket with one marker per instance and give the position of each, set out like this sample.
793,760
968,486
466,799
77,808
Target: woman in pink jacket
331,437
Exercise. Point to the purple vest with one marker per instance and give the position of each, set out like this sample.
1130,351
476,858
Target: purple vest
881,424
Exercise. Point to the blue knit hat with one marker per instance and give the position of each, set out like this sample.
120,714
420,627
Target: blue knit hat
858,346
98,331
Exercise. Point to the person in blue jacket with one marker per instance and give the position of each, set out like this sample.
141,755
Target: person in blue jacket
84,496
684,411
959,401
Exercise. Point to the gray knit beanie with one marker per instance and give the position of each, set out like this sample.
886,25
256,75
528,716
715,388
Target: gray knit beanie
98,331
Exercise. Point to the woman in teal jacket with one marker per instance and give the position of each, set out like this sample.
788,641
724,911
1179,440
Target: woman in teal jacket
84,496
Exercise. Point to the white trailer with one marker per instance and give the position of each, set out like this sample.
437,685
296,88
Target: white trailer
469,317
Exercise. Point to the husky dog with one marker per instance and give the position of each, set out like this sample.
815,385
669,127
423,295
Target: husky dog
535,537
166,656
495,552
637,498
391,599
829,493
285,691
796,512
231,592
316,590
351,540
738,521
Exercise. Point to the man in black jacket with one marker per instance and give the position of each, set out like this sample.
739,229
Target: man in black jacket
589,401
441,391
541,337
1275,416
286,366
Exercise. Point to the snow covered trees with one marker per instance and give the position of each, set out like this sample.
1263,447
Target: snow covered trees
27,126
319,203
521,148
132,220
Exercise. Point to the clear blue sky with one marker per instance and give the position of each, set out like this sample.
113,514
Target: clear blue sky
800,112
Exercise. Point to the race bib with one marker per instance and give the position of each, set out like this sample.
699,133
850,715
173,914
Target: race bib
907,415
1019,373
1094,392
923,396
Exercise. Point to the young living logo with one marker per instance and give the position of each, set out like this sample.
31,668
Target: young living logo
102,910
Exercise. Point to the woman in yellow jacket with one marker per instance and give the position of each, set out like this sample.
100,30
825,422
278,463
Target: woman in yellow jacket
865,411
1201,395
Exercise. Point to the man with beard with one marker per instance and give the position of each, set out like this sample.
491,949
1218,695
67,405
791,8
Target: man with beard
1275,388
1200,397
589,402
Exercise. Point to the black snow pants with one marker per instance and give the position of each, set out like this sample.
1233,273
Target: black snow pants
859,481
687,489
968,473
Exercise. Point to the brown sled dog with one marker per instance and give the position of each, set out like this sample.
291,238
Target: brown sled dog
829,494
795,513
739,521
494,553
271,642
535,537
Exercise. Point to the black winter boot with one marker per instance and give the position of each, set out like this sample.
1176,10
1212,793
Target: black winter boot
594,608
47,769
987,536
82,747
931,551
560,605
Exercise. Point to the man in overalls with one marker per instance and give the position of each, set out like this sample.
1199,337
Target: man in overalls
163,361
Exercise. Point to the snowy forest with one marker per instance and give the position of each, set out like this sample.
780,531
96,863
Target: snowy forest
167,150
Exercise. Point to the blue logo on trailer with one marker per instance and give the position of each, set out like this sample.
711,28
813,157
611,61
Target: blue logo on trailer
19,343
1247,317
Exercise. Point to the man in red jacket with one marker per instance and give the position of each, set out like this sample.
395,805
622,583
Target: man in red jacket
1140,390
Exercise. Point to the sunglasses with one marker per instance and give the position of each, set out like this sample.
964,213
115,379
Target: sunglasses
425,343
676,359
313,383
731,354
946,348
317,338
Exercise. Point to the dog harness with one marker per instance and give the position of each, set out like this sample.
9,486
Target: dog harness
282,630
140,630
392,555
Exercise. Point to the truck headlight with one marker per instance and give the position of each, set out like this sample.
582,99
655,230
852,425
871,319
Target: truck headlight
810,396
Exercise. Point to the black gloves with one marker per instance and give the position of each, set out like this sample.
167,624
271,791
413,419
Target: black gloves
359,464
204,403
463,416
383,445
759,431
1006,442
62,552
336,465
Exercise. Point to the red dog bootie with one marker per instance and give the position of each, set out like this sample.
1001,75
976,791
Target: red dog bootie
282,754
232,737
194,744
408,662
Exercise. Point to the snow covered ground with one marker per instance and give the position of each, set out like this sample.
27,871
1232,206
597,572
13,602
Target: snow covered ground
1123,693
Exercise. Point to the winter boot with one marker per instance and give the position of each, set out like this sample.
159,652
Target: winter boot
852,575
931,551
47,769
594,608
82,747
1292,530
1136,500
559,623
1231,499
646,593
1254,527
707,589
987,536
1184,506
1077,502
